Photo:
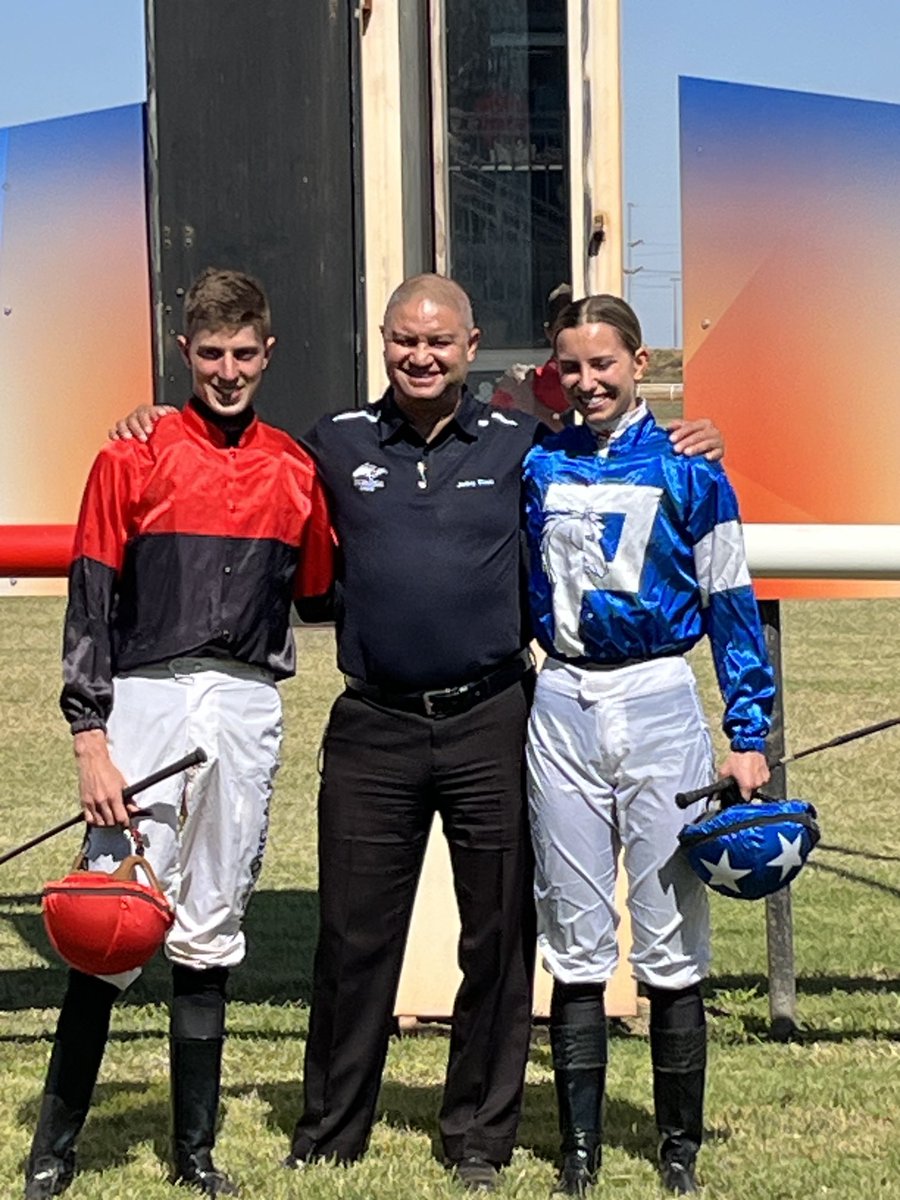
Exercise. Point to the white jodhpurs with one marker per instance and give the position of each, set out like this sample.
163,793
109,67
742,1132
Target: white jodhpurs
207,832
607,751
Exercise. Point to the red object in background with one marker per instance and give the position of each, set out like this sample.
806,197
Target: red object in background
35,550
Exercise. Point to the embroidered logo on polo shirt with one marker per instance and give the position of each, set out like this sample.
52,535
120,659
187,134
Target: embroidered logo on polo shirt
368,478
474,483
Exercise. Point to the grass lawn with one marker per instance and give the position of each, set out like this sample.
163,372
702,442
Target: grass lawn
813,1118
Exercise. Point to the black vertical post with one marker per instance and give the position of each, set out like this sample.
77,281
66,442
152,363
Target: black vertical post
254,144
779,921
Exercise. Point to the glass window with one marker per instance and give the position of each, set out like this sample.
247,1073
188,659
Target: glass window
507,163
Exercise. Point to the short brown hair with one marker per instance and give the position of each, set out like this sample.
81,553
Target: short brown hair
223,299
604,309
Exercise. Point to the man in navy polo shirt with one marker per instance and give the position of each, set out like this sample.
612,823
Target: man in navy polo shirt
432,640
424,490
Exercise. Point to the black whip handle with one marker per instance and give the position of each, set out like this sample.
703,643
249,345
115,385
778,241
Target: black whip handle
193,759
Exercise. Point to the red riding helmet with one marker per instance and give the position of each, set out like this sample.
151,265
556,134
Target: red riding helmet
103,924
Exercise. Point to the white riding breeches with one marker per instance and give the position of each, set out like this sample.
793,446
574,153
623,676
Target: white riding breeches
206,834
607,751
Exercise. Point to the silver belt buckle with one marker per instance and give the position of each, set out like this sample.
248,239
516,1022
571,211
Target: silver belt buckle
428,698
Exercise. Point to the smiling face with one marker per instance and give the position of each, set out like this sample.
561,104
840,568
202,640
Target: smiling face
428,346
598,372
226,366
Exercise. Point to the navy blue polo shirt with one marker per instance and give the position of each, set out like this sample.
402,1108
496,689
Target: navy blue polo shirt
430,589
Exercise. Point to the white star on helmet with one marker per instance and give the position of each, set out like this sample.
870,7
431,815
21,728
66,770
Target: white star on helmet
723,874
789,857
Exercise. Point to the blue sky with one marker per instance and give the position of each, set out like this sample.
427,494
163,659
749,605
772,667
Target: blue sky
89,54
836,47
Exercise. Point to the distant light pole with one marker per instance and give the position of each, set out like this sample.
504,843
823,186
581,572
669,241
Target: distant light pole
628,270
675,280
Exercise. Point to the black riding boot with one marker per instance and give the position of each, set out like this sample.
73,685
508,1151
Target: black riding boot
578,1044
197,1033
81,1033
678,1051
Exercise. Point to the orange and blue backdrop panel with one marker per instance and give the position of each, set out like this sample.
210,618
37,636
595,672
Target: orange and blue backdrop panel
75,321
791,259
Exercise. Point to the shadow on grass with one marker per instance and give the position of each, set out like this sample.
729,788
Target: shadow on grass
852,877
757,1027
760,1029
136,1112
626,1126
407,1107
810,985
109,1137
846,850
281,932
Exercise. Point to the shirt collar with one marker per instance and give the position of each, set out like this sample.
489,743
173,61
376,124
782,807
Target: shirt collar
626,420
201,421
628,424
626,430
393,424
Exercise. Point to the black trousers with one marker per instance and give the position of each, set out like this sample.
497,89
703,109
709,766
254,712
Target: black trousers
385,774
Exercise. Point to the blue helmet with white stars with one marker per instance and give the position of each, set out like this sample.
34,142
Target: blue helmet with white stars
751,850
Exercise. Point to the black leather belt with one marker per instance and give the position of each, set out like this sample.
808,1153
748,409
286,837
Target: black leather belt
587,665
610,666
446,702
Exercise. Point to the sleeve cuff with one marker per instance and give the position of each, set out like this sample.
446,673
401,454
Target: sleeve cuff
314,610
83,724
742,744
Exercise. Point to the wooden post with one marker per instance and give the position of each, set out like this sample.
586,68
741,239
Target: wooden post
779,921
430,974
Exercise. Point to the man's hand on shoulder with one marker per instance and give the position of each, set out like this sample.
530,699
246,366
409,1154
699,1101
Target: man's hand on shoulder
696,437
100,782
140,422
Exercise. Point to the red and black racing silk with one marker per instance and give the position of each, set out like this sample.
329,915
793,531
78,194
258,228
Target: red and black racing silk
187,546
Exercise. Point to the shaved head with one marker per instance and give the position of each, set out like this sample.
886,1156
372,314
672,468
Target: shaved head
429,343
436,288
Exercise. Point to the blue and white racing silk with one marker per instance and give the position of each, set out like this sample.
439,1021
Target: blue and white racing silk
636,552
